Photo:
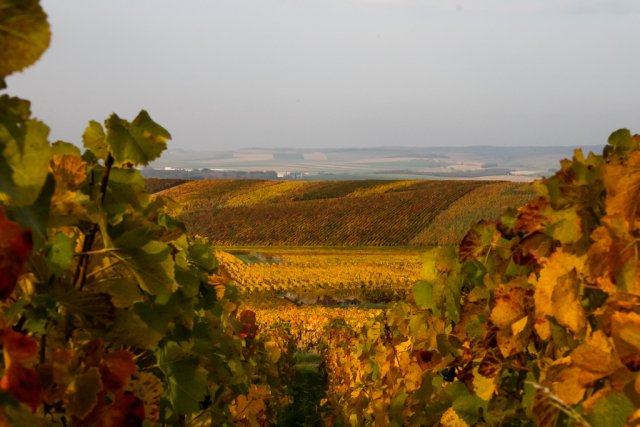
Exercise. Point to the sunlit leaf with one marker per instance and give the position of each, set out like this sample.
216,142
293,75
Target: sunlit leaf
138,142
557,293
94,139
24,152
24,34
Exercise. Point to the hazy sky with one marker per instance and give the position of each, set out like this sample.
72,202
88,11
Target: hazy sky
225,74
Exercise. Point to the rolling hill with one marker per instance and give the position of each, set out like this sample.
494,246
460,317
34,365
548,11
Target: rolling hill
340,213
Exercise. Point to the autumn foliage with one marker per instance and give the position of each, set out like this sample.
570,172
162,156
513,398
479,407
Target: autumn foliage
108,313
534,319
340,213
112,314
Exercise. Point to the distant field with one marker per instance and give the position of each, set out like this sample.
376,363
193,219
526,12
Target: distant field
157,184
317,269
340,213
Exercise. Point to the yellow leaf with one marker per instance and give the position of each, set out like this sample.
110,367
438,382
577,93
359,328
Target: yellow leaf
613,258
508,344
596,358
69,203
556,293
518,326
484,387
450,419
69,171
622,184
404,346
273,351
413,377
509,305
566,385
625,330
220,290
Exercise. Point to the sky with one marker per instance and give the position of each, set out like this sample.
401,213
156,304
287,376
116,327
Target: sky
232,74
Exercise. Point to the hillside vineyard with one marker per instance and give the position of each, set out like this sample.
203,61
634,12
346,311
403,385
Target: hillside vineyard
340,213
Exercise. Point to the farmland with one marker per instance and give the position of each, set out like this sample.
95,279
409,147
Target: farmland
344,213
319,270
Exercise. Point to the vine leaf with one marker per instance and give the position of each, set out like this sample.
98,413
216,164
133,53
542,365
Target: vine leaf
24,152
94,309
17,347
82,394
60,253
187,381
15,247
138,142
622,182
137,251
23,383
610,409
557,293
116,369
481,238
94,140
625,330
24,34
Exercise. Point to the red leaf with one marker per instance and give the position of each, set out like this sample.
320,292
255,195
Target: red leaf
23,384
15,247
248,322
18,347
126,411
116,369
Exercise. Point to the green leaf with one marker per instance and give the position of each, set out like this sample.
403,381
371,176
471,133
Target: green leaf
60,254
189,282
124,292
157,315
82,395
566,225
423,294
129,329
24,34
186,379
138,142
611,410
466,405
36,215
201,255
94,310
151,265
149,261
62,148
620,143
94,140
24,152
126,191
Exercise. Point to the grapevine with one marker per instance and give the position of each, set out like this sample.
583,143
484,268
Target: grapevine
533,319
108,315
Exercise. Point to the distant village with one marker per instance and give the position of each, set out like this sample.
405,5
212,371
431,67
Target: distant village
206,173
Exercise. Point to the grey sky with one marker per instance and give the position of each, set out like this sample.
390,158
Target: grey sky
226,74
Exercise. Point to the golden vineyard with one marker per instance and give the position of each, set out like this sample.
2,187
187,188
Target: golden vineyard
340,213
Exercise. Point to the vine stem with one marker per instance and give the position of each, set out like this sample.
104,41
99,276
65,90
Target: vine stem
87,245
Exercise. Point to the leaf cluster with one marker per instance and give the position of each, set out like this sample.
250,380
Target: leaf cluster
533,320
109,313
